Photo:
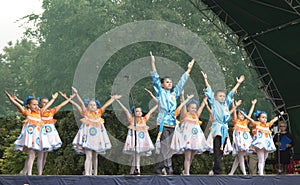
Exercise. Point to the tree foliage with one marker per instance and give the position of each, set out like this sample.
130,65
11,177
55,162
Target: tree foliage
64,31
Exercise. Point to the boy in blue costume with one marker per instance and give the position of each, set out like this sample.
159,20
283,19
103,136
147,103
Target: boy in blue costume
166,119
220,104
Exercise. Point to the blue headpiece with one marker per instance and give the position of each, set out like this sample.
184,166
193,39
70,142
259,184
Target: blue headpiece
192,101
87,100
25,102
132,110
242,109
38,99
258,113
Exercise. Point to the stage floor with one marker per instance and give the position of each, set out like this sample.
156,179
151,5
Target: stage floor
151,180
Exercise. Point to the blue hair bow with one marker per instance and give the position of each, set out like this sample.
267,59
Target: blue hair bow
132,109
242,109
258,113
192,101
25,102
87,100
38,99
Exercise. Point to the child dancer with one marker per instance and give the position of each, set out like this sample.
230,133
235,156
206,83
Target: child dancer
30,137
92,138
220,103
241,136
49,128
262,141
193,137
144,145
177,140
166,117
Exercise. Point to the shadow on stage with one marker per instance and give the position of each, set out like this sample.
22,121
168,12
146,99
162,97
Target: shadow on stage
151,180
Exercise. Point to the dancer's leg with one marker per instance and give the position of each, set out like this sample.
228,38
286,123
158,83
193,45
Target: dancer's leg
40,161
95,162
88,162
31,156
234,165
25,168
187,161
242,162
138,161
44,159
261,161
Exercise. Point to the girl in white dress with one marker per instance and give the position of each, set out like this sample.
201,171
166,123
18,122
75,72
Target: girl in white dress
143,145
241,136
262,139
92,138
193,137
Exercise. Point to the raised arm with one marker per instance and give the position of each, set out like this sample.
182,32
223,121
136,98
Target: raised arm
18,100
54,96
252,107
205,79
81,102
183,107
128,114
72,102
183,103
179,86
151,111
239,81
235,105
16,103
110,101
152,62
202,105
58,107
276,118
190,66
248,117
207,106
152,95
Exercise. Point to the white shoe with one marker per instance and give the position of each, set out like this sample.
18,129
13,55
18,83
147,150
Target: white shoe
211,172
164,171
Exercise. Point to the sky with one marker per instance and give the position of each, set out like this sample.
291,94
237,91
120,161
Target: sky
10,12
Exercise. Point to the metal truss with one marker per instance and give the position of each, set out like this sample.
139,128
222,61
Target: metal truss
295,5
249,44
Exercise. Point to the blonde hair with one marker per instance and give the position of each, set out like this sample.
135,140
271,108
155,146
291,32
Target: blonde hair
282,122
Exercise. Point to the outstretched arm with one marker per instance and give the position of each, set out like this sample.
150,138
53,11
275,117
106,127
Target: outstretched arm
252,107
179,86
207,106
147,116
276,118
18,100
79,99
152,95
202,105
58,107
248,117
128,114
239,81
152,62
190,66
110,101
72,102
182,99
54,96
17,104
205,79
233,109
184,102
